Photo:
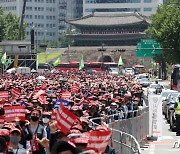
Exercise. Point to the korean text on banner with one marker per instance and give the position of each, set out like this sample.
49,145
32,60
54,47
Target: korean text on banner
4,95
98,140
66,95
12,112
15,92
65,119
155,115
59,101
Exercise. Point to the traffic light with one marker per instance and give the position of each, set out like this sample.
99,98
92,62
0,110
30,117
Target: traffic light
121,50
32,39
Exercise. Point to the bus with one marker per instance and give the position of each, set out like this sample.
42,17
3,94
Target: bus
175,78
97,66
72,66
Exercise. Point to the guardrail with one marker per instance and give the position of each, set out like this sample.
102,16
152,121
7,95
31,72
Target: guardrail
127,134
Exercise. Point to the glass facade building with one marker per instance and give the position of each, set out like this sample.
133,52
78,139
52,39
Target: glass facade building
145,7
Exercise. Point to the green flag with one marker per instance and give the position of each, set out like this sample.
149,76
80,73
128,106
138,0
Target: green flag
120,62
81,64
56,63
9,61
3,59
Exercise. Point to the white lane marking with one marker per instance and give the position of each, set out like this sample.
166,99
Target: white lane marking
167,138
151,149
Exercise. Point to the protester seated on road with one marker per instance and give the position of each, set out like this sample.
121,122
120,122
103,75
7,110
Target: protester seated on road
91,98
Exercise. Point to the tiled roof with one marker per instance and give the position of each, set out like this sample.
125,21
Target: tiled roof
109,19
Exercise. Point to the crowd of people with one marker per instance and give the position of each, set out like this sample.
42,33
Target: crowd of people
94,99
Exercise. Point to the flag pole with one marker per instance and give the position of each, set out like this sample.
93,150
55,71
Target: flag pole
3,70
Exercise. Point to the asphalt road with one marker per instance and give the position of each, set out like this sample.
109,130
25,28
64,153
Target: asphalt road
164,144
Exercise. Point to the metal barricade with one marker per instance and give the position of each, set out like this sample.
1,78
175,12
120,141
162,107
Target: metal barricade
128,134
124,143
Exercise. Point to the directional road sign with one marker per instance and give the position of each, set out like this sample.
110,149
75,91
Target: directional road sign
148,48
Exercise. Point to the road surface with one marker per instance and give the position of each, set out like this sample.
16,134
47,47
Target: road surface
164,144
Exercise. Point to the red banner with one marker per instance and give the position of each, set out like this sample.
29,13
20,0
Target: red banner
75,88
15,92
65,119
42,99
12,112
98,140
4,95
1,121
66,95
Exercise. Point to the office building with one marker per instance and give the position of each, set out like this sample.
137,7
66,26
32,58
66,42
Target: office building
46,16
145,7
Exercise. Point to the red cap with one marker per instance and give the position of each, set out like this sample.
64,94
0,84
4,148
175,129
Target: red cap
101,128
78,127
83,139
15,129
9,126
46,113
4,132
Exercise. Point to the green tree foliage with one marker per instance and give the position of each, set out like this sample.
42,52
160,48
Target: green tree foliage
10,26
64,41
165,28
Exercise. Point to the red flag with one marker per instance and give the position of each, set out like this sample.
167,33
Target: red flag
15,92
98,140
75,88
42,99
66,95
12,112
65,119
4,95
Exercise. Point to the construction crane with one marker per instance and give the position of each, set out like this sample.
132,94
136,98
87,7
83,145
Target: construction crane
20,31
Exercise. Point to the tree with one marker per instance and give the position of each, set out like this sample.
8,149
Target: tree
165,28
9,25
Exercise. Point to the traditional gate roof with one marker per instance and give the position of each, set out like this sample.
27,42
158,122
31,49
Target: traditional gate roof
110,19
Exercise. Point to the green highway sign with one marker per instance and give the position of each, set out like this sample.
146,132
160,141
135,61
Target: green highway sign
148,48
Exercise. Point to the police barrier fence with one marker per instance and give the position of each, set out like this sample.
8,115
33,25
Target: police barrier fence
127,133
